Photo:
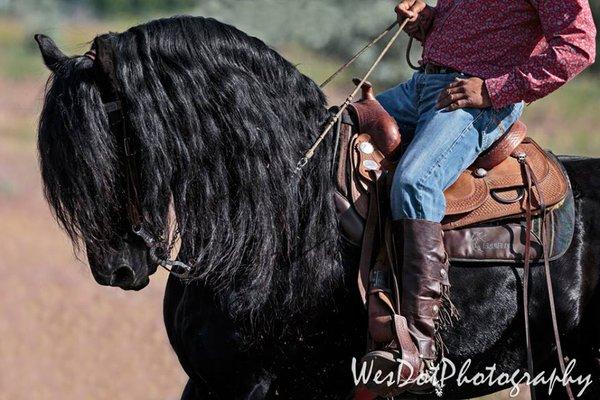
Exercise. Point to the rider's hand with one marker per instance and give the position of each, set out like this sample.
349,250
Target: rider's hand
417,13
410,9
465,93
413,10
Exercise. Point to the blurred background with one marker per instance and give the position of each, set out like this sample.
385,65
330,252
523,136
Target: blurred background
61,335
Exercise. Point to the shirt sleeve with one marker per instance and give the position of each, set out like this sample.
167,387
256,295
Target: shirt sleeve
570,35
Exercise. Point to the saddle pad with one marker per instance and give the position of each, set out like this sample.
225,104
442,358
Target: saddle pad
504,241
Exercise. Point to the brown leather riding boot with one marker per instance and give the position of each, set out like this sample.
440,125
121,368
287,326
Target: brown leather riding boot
424,307
425,285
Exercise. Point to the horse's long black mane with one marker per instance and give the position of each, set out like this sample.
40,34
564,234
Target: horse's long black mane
220,121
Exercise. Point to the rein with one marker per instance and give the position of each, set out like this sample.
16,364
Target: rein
358,54
531,181
114,110
334,119
134,206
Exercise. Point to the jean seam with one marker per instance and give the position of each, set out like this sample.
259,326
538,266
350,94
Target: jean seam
419,84
490,122
500,120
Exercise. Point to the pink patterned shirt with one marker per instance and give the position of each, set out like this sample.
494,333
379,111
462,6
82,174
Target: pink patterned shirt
524,49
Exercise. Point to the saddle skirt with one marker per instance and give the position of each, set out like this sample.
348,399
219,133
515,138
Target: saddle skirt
489,200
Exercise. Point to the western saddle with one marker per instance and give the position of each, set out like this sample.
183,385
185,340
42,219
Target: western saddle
493,188
513,180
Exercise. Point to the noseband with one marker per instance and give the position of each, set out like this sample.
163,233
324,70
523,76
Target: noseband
158,255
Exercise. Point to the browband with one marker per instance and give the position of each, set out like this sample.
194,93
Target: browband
91,54
112,106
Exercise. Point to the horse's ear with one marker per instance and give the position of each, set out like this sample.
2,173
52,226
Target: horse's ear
104,61
50,52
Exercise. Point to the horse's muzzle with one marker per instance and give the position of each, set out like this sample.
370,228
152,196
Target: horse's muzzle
128,268
125,278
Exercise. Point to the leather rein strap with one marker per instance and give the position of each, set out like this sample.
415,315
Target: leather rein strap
332,122
531,181
373,219
357,55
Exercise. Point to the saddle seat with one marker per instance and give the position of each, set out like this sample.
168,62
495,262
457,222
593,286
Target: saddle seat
493,188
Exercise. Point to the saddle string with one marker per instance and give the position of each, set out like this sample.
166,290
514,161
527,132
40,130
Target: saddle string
311,152
526,268
531,181
549,286
559,351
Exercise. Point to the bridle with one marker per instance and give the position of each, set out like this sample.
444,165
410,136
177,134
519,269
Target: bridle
158,254
116,117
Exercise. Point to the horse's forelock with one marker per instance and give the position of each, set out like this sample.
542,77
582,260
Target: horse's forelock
77,155
220,121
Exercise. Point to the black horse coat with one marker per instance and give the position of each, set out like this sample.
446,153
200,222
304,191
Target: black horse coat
217,122
314,363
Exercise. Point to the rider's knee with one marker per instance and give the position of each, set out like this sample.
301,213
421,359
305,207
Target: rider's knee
405,195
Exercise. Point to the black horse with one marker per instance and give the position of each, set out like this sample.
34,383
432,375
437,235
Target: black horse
218,121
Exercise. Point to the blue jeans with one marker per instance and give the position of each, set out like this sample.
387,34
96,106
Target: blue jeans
441,143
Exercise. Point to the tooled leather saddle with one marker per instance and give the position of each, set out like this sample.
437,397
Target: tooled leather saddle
485,208
514,204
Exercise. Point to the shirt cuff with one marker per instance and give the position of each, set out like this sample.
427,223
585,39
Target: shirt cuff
426,25
503,91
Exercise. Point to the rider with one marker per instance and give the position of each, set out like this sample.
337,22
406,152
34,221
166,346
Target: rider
481,61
